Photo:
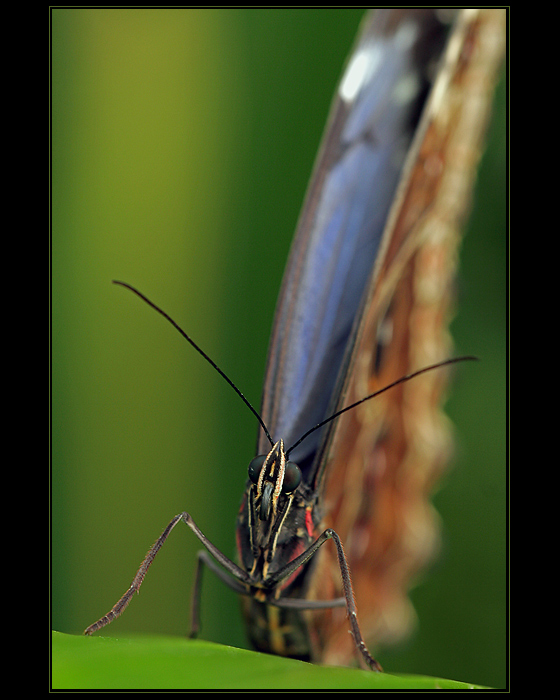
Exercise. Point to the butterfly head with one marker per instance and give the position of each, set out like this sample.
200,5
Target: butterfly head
268,517
273,475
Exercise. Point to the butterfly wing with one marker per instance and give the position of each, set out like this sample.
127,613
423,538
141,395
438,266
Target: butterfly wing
372,122
383,458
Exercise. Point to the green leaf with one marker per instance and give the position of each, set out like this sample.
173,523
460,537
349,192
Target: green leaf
175,663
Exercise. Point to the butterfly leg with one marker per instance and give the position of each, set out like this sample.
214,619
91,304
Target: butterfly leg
203,558
348,599
121,604
351,604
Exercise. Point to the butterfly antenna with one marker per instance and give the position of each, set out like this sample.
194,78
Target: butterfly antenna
201,352
451,361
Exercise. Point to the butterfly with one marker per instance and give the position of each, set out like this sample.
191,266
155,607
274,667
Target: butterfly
363,303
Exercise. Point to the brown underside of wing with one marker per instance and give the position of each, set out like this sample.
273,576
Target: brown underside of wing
387,454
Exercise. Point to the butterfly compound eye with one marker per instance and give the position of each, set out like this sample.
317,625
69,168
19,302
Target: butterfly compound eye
255,467
292,477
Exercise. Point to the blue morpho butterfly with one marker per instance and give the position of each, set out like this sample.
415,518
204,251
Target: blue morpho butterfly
363,305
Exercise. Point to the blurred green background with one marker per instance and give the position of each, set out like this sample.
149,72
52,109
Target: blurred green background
182,143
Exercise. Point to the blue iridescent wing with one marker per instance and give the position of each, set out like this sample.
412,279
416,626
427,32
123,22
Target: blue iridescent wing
371,126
